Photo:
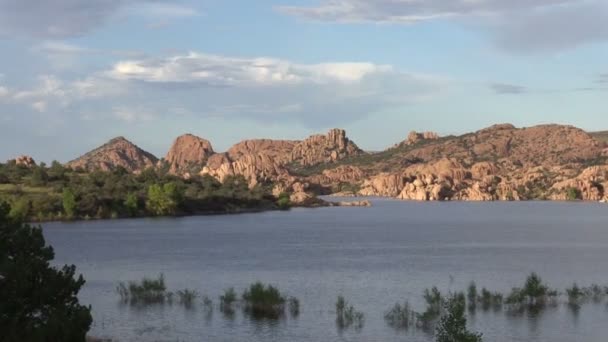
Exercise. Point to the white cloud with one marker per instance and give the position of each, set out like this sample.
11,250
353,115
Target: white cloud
4,92
516,25
258,89
226,71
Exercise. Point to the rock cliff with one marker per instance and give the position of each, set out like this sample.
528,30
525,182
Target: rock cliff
187,152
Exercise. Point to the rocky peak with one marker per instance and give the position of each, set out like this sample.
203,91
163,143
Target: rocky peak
188,150
116,152
25,161
320,148
415,137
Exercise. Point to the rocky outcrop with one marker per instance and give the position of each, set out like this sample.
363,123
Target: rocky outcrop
255,168
383,184
25,161
326,148
341,174
118,152
278,150
264,160
188,151
415,137
590,185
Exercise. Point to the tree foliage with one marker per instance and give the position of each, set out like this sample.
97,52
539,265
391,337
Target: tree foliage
75,194
453,323
37,302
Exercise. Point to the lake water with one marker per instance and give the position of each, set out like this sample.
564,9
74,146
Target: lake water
373,256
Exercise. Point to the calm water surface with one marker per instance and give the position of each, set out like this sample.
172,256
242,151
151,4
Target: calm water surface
373,256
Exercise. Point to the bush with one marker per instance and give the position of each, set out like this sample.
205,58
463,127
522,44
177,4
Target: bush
187,297
573,194
264,301
294,306
283,202
37,302
434,302
453,324
347,316
229,297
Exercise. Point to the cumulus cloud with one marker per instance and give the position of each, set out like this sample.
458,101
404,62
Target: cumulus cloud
274,89
258,89
69,18
225,71
508,89
520,25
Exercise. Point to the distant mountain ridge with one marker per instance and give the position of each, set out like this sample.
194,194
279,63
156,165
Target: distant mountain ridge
500,162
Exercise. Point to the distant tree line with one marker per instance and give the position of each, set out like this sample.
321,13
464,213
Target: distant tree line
54,192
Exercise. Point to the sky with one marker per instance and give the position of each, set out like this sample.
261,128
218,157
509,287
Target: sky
76,73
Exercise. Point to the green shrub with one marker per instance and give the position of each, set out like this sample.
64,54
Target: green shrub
187,297
573,194
452,326
283,202
263,301
434,306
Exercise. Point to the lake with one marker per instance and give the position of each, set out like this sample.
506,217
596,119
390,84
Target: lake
374,257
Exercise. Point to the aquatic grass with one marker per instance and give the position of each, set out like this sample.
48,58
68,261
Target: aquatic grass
147,291
347,316
401,316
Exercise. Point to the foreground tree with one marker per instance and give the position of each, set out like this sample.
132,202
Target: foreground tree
453,324
38,303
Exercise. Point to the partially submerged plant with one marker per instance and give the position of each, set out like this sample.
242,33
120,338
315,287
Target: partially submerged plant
187,297
347,316
146,291
434,306
263,301
401,316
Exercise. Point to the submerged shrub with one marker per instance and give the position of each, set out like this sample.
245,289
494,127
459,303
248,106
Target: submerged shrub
453,324
472,295
535,294
294,306
228,298
489,299
400,316
434,305
263,301
187,297
347,316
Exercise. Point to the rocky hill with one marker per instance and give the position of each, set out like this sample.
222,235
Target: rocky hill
500,162
116,152
188,152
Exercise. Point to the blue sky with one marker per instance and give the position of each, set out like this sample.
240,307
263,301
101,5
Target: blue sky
76,73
